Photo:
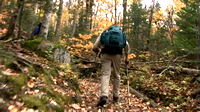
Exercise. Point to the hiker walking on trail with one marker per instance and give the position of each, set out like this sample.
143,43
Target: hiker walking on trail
112,42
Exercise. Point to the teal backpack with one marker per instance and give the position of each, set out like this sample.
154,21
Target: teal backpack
113,40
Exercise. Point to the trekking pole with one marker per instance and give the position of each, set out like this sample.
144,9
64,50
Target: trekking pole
127,83
95,66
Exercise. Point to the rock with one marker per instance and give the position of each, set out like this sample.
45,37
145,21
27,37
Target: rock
77,99
45,45
2,101
61,55
58,54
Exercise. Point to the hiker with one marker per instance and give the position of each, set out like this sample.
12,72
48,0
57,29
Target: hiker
111,42
37,29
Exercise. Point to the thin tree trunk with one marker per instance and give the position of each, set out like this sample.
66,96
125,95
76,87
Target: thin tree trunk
199,35
46,19
170,20
75,19
95,15
88,21
151,17
124,14
20,20
115,11
35,6
146,47
1,4
32,14
111,19
59,21
91,12
13,20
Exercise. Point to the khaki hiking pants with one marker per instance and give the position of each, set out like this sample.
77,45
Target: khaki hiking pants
110,63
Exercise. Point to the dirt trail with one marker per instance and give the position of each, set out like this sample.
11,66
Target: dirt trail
91,88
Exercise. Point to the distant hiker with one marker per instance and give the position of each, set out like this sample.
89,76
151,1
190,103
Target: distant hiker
37,29
113,42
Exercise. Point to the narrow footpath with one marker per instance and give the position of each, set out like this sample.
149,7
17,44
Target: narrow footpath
91,91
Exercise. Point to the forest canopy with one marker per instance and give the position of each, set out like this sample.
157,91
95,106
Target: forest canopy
164,42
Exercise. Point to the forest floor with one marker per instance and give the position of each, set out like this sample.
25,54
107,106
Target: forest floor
22,91
47,90
91,91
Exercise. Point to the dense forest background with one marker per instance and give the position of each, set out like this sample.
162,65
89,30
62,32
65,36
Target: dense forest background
154,33
164,59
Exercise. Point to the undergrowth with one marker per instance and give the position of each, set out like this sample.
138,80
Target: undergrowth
172,90
37,86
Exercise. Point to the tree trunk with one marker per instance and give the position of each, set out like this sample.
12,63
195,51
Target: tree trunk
91,12
20,19
199,31
75,19
59,21
1,4
86,22
146,47
46,19
151,17
124,13
170,26
115,11
95,14
13,20
35,5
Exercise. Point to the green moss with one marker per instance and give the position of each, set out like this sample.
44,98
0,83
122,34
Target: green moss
60,99
6,60
32,44
47,79
16,82
1,46
38,68
58,45
53,72
34,102
12,66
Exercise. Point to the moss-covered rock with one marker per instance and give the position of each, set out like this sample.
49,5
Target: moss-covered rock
51,51
33,45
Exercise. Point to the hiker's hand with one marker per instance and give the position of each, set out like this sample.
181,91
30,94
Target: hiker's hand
126,60
96,50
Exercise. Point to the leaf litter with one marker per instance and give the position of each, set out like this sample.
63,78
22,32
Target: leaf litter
91,92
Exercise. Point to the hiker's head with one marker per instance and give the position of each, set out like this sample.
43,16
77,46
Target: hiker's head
40,23
115,25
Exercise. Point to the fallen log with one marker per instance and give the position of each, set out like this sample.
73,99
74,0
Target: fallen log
27,62
185,70
145,99
23,60
188,71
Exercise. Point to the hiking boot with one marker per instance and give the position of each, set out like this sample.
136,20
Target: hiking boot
115,99
102,101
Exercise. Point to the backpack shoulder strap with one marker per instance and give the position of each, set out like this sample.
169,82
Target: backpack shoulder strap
103,38
124,38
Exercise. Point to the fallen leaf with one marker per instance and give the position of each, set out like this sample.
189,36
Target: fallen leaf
76,106
31,83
